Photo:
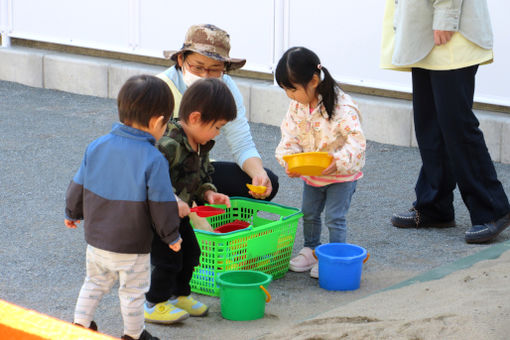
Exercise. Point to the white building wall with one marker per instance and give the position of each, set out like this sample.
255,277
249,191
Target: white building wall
345,34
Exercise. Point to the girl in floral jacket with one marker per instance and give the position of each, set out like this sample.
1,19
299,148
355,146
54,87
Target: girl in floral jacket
321,118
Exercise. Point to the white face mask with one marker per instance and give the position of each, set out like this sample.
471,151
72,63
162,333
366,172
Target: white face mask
189,78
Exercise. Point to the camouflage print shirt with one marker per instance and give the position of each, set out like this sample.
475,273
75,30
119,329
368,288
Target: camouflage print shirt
190,171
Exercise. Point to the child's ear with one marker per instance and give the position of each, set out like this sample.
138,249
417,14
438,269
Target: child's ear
315,81
195,117
156,121
161,120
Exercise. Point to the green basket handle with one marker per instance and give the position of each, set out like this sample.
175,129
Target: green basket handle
274,205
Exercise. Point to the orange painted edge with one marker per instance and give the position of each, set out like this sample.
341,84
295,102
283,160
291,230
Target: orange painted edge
20,323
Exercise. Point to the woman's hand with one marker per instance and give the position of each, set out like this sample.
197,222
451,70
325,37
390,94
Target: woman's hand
253,167
442,37
264,180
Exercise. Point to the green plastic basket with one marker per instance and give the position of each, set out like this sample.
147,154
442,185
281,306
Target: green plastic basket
265,246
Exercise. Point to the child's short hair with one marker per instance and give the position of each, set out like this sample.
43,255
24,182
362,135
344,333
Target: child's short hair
143,97
212,98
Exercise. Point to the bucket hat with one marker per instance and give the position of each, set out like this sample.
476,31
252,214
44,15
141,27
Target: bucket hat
210,41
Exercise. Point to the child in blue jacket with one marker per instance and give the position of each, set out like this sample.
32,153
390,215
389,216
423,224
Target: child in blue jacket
122,191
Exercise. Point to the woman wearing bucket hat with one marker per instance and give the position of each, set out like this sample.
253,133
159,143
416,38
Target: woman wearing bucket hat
204,54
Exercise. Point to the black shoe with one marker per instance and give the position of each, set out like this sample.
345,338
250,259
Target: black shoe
144,336
488,231
92,326
414,219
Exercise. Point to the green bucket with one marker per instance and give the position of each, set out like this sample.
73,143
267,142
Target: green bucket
243,294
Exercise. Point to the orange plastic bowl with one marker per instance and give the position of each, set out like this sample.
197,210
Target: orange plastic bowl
308,163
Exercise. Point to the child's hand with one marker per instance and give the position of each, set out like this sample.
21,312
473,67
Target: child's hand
331,169
291,174
183,208
176,246
216,198
71,224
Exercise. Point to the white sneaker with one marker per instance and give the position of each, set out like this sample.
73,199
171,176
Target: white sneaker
315,271
304,261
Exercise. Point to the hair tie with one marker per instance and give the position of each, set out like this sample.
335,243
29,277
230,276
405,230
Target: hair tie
321,74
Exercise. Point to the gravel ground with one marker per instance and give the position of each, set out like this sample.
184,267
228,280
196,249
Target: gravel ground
43,135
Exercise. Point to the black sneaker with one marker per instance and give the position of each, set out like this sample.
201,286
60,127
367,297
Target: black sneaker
92,326
488,231
414,219
144,336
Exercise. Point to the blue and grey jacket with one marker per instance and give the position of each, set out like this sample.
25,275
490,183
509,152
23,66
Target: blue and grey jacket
123,190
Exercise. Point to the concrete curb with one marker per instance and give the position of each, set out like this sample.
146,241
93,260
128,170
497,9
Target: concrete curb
385,120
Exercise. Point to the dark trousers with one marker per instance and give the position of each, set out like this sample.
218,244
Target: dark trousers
172,271
231,180
452,148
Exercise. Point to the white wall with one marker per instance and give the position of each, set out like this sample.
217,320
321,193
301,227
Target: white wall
347,37
345,34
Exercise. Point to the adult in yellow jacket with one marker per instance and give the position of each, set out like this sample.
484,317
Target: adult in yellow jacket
442,43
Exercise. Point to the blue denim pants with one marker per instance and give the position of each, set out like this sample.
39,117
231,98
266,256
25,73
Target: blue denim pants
336,198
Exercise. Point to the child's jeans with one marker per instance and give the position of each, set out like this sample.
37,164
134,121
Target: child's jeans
336,198
104,268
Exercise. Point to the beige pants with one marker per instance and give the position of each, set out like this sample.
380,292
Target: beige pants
104,268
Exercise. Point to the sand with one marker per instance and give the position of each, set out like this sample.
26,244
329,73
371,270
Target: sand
473,303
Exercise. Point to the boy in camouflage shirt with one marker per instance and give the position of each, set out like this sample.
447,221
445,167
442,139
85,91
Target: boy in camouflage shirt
205,107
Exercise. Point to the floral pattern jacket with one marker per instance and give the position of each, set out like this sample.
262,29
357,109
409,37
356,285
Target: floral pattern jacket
305,130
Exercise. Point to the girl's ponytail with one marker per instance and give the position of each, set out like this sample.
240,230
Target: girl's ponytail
328,89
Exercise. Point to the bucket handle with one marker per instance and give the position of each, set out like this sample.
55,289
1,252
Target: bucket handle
366,258
268,296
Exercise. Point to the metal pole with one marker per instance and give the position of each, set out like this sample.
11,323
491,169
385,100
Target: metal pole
6,40
5,21
280,30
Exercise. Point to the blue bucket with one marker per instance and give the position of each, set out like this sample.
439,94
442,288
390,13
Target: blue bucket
340,265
